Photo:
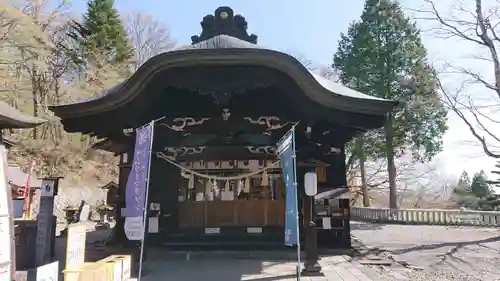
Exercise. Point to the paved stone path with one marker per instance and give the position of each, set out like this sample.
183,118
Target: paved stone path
228,267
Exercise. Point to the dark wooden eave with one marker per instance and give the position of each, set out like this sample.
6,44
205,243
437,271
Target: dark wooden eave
11,118
116,146
8,142
224,50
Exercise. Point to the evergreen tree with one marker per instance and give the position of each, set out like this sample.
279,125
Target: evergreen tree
101,40
382,55
463,185
101,35
490,203
476,194
496,172
464,180
479,186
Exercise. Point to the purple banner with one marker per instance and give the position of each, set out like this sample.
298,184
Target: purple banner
138,178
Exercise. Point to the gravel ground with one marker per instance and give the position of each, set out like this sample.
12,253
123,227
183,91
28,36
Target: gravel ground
434,252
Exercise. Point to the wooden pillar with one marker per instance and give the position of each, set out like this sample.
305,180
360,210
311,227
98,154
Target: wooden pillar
336,178
302,206
124,171
164,184
118,236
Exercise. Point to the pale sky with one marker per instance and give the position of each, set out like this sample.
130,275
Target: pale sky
312,29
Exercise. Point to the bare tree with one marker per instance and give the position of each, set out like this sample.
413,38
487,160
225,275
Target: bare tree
319,69
416,180
21,39
36,71
149,37
476,100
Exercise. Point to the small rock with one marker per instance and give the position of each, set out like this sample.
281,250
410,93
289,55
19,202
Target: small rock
373,257
414,267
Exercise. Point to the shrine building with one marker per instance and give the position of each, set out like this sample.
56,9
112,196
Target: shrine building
222,103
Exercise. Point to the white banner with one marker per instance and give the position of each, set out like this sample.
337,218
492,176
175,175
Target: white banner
133,228
5,256
6,221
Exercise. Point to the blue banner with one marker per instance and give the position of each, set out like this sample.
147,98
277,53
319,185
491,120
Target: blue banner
137,182
286,153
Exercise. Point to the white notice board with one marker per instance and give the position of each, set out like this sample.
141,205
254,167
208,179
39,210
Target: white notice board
75,246
48,272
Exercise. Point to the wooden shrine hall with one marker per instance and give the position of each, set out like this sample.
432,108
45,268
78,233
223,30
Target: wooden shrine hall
225,102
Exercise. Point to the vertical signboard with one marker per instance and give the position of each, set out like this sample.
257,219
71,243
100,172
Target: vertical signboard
286,153
137,183
75,246
44,233
6,222
48,272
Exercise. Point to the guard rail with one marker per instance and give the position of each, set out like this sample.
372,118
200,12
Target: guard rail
427,216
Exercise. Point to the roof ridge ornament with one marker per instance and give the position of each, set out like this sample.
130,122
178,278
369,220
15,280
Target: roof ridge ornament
223,21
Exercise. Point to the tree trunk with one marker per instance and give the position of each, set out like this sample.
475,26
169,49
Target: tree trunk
362,161
118,237
364,185
34,93
391,167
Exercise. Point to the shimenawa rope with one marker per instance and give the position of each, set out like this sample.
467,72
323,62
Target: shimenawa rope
217,178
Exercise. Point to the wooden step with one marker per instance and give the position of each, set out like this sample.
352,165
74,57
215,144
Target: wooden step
225,245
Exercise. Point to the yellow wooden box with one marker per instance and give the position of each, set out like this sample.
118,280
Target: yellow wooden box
125,262
74,274
114,268
94,272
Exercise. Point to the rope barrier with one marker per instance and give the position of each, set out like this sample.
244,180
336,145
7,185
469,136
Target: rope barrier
161,155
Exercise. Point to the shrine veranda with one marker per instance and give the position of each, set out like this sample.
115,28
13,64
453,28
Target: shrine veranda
224,102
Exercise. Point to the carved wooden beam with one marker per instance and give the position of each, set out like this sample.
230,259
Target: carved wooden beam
268,150
270,123
220,153
179,124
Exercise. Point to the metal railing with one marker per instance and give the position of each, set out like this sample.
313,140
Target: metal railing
426,216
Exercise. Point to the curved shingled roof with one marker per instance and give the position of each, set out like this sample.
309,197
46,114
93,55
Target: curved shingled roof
228,42
11,118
